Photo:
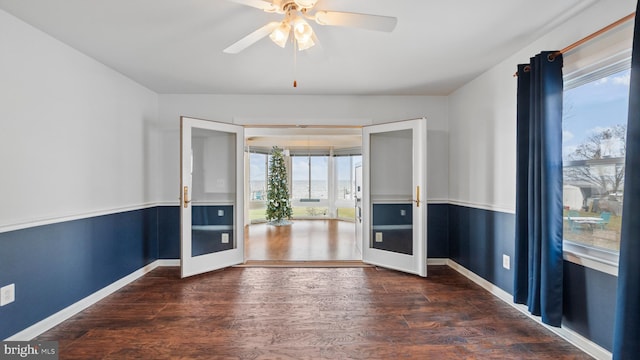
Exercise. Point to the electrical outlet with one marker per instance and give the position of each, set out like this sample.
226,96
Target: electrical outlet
225,238
403,212
7,294
506,261
378,237
220,212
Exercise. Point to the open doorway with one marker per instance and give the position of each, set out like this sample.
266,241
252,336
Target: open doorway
322,165
394,179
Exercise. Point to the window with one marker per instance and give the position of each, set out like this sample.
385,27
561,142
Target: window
321,182
596,97
258,175
258,169
345,185
310,177
310,185
594,139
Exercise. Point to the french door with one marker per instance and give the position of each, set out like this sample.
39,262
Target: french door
211,189
394,193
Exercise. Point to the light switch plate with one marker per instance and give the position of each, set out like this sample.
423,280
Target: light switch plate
506,261
7,294
378,237
225,238
220,212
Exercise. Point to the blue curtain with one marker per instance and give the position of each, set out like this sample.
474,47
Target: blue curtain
626,340
538,258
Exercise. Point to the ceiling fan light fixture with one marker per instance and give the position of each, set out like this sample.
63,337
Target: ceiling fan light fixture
304,45
281,34
295,11
302,30
306,4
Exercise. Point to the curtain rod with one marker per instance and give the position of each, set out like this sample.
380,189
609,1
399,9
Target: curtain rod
590,37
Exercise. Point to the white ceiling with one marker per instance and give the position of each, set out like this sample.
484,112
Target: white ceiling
175,46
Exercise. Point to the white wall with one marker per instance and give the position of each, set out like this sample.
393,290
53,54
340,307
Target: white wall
77,137
303,110
482,116
73,136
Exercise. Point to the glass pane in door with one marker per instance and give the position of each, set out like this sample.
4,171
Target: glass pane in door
391,192
213,184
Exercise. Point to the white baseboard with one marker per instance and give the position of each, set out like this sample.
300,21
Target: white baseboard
437,261
571,336
71,310
168,262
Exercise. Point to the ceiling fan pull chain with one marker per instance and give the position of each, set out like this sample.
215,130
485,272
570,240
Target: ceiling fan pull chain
295,64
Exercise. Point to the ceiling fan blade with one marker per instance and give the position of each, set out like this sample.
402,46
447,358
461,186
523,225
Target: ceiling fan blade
252,38
258,4
363,21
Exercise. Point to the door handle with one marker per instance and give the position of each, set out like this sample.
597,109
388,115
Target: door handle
417,200
185,197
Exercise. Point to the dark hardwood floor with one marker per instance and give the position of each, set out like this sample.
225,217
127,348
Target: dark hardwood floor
305,313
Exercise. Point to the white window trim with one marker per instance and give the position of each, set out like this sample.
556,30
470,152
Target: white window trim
594,258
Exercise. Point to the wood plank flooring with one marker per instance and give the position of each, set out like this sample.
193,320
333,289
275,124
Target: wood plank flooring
303,240
305,313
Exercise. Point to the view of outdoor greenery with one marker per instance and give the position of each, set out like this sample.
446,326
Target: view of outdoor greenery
594,137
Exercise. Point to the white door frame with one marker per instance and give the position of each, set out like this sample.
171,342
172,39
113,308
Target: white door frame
192,265
417,262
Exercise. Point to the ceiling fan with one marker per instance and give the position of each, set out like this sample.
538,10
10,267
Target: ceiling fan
296,12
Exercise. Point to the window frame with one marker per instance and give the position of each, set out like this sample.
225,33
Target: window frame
253,203
355,158
309,178
596,258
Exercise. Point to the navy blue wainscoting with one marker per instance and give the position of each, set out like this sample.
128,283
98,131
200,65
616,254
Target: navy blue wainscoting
54,266
477,240
438,231
169,232
589,303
